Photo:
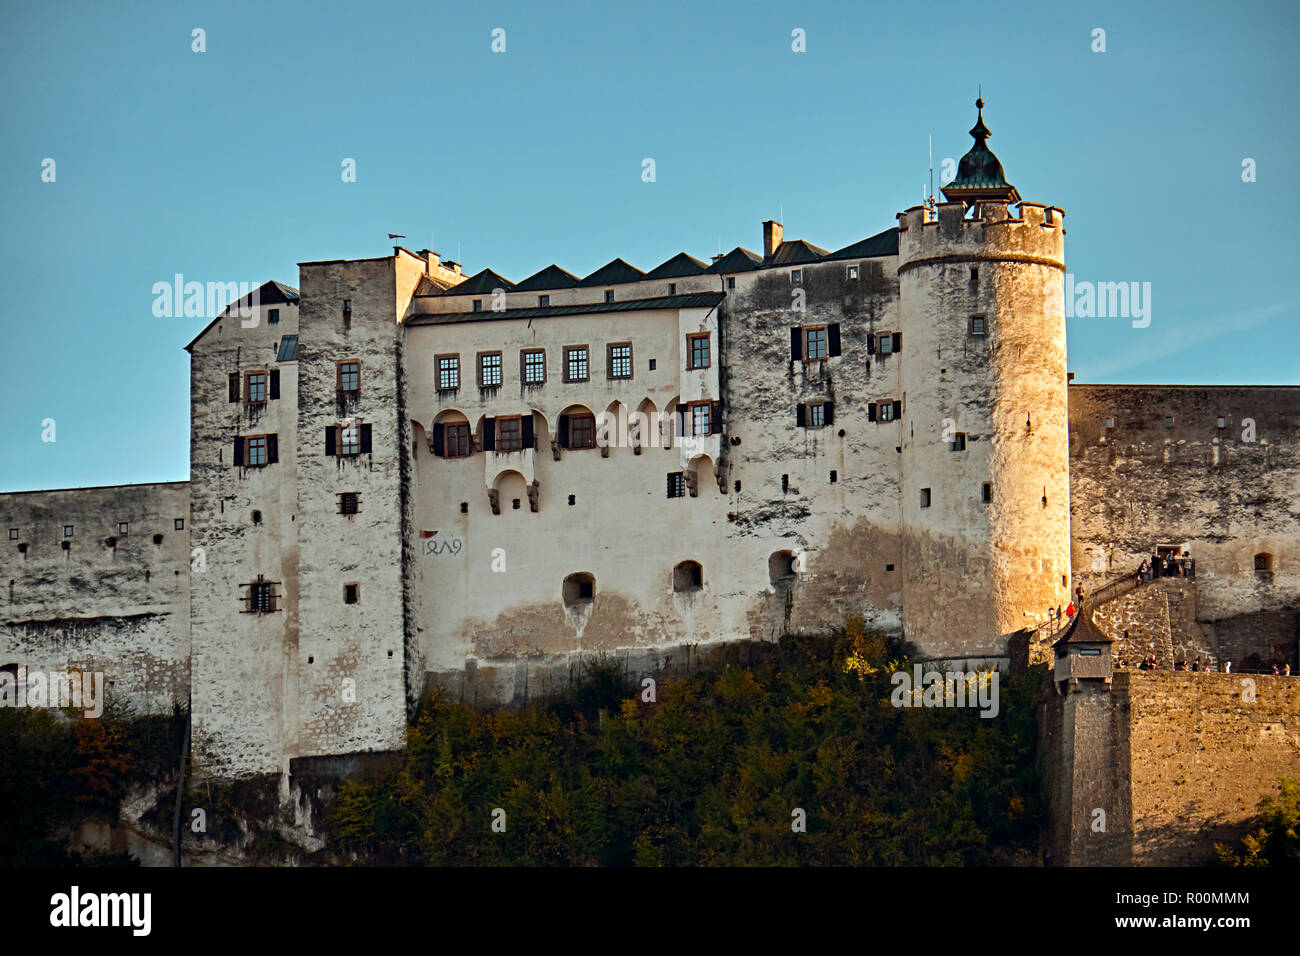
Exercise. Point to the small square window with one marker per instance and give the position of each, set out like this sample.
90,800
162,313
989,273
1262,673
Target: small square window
609,295
122,526
925,497
478,305
853,273
796,276
1169,421
543,301
986,492
676,484
653,365
348,502
1110,423
534,366
959,441
179,524
672,288
13,534
731,282
1222,423
977,325
835,476
67,531
464,507
573,500
65,545
273,317
351,593
889,567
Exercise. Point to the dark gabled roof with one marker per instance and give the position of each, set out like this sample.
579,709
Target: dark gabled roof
679,265
288,349
552,277
485,281
268,293
430,286
793,252
737,260
1083,631
613,273
696,300
881,244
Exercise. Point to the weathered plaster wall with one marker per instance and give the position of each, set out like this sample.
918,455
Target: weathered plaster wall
976,572
114,601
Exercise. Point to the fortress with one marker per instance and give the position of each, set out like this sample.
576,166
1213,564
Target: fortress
401,476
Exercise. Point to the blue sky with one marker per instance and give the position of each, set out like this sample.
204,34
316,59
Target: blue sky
225,166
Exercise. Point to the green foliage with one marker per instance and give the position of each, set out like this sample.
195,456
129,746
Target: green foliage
58,769
711,772
1275,839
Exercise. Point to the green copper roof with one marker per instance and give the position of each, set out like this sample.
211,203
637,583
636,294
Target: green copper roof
979,174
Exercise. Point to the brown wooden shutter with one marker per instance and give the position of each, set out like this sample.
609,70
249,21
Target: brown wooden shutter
898,341
526,430
329,440
272,449
439,446
796,343
833,339
898,410
275,383
234,386
489,434
239,451
365,439
564,431
715,418
871,412
828,409
801,416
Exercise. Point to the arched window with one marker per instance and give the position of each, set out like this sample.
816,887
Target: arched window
781,568
688,576
579,588
1264,563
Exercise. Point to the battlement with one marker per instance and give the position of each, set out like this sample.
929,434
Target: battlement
1036,231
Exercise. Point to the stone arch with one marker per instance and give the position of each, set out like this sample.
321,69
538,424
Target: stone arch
577,423
1263,563
668,424
700,474
579,588
643,432
450,418
510,489
611,431
783,569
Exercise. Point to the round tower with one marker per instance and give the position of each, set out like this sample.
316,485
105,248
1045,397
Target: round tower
985,437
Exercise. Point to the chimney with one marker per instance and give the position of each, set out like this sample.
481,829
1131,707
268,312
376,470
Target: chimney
718,256
772,233
453,266
430,258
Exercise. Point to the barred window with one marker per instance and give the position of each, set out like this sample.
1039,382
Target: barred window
676,484
489,369
448,371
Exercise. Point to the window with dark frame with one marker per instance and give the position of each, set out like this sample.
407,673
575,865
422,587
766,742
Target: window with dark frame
510,434
534,366
959,441
886,411
620,360
816,415
986,492
349,376
814,343
448,372
255,388
273,317
925,497
543,301
348,503
351,593
731,283
697,350
701,418
489,369
261,596
575,363
885,345
67,531
609,295
350,439
977,325
853,273
13,534
582,430
796,276
255,451
676,484
456,440
478,305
